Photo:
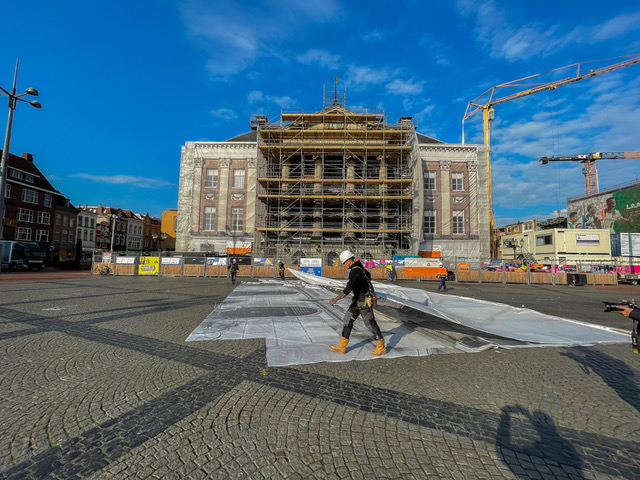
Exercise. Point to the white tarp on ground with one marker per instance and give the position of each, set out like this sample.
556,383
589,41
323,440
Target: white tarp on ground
521,324
298,323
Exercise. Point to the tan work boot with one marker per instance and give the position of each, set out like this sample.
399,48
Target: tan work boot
380,348
341,347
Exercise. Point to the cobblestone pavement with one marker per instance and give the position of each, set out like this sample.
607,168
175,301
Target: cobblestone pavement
97,382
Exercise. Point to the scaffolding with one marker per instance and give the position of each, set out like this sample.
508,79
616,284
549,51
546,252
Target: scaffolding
332,180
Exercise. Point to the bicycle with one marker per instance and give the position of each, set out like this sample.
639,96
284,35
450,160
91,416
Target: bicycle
101,270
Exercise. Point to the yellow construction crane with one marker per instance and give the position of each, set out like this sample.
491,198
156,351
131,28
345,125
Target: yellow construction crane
589,165
486,105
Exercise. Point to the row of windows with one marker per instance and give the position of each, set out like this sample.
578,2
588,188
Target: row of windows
133,244
25,234
87,235
135,229
457,181
65,220
211,180
86,222
19,175
457,223
237,219
30,196
26,215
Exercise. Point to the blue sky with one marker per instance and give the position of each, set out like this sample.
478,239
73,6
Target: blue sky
124,84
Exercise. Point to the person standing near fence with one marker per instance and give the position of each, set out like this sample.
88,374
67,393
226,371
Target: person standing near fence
232,270
443,274
360,284
281,269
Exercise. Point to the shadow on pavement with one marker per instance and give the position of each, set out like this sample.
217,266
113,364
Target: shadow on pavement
617,374
525,439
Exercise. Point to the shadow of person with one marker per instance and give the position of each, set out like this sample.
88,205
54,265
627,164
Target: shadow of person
522,434
391,337
617,374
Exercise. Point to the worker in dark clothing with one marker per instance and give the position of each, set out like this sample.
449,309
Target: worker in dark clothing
632,312
232,270
360,284
281,269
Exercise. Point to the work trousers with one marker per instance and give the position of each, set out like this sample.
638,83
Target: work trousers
367,317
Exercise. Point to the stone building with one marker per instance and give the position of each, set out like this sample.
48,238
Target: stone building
310,184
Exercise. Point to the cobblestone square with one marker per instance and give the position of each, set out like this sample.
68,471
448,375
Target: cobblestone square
98,382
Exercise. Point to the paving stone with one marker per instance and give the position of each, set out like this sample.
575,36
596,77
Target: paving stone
119,394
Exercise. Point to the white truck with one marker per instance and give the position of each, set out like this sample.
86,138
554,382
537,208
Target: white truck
21,255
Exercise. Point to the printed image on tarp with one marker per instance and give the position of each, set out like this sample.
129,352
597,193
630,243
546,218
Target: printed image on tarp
618,211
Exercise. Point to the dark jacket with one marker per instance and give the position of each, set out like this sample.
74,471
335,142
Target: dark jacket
357,283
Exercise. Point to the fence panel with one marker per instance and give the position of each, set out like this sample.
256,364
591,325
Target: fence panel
193,271
216,271
516,277
602,279
542,278
467,275
491,277
171,270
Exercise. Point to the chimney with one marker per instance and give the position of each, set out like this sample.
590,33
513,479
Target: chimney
28,157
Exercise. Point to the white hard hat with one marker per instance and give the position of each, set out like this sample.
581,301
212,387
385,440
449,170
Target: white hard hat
346,255
234,260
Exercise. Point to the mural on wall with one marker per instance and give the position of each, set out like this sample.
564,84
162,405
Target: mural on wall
617,211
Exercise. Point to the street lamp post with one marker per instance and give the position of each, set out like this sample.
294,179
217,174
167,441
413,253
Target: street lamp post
13,101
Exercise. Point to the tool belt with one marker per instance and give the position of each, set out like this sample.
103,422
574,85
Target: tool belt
370,301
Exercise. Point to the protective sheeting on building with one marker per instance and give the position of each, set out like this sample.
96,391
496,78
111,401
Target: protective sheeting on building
298,323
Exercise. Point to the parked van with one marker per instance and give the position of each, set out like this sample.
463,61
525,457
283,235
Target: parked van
21,255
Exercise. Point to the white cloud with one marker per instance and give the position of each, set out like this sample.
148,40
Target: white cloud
616,27
256,97
236,35
224,114
143,182
507,39
360,77
404,87
319,58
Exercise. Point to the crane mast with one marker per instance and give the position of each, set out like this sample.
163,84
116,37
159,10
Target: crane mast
488,113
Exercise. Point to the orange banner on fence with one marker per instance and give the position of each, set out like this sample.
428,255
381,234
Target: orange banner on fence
430,253
238,251
421,271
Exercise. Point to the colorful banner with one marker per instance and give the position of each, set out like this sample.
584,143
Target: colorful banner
617,211
148,265
312,266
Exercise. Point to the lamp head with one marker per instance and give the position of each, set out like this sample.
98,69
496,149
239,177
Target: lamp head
32,91
35,103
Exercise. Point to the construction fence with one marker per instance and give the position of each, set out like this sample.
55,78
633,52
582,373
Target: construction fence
195,264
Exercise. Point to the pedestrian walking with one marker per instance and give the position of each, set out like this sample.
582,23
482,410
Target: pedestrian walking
362,304
443,274
232,270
